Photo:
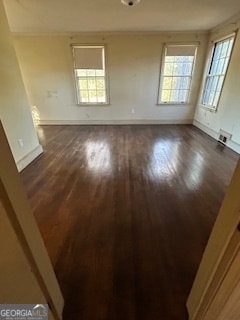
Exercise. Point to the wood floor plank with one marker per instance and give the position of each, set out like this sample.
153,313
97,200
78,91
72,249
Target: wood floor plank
125,213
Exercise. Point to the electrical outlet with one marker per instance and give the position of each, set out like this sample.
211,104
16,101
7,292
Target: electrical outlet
133,111
20,142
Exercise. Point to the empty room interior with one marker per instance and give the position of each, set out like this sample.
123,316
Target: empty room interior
120,136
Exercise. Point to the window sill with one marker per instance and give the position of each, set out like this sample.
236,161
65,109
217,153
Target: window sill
173,104
107,104
208,108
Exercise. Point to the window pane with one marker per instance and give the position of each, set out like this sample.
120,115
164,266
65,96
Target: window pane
83,84
177,69
100,83
92,95
175,83
189,59
84,96
91,72
174,95
224,48
205,98
166,95
81,72
187,69
168,69
185,83
209,83
169,59
225,65
214,67
214,83
167,83
207,94
178,82
211,97
230,47
178,59
216,98
101,96
91,84
100,73
220,83
220,66
217,52
218,48
183,95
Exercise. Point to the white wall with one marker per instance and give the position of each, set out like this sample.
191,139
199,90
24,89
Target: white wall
133,66
227,116
14,109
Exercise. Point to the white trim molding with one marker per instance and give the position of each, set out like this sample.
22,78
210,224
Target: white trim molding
29,157
230,143
112,122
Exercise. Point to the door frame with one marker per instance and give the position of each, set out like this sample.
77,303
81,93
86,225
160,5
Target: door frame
220,252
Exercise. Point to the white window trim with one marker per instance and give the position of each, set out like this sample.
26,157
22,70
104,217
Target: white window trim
77,93
207,67
159,102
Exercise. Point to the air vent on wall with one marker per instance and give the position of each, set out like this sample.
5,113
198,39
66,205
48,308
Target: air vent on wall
224,136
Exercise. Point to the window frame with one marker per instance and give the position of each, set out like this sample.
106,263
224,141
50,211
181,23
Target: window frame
161,78
77,88
208,69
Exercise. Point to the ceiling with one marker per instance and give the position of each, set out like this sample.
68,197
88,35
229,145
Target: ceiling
111,15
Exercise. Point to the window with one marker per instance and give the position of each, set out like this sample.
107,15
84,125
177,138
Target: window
90,74
176,73
219,60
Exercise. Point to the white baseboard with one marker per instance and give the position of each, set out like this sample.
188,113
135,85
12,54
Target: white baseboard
230,143
205,129
28,158
234,146
112,122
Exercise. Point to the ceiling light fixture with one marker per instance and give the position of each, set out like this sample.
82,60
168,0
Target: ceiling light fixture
130,3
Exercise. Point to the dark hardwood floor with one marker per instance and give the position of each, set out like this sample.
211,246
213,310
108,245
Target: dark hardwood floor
125,213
